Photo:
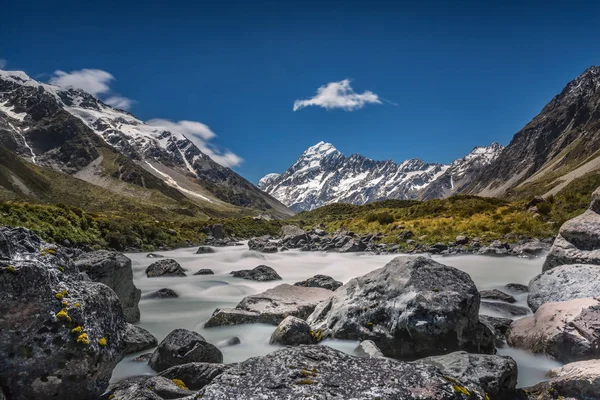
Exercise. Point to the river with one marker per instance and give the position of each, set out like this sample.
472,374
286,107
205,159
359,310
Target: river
200,295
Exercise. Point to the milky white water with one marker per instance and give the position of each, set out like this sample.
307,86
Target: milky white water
200,295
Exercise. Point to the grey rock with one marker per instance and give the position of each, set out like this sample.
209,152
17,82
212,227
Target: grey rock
147,388
154,255
234,341
205,250
137,339
164,293
566,282
461,240
567,331
41,356
580,380
496,294
352,246
496,375
499,325
293,236
205,271
517,287
272,306
320,281
368,349
493,251
262,245
293,331
195,375
531,249
319,372
406,234
166,267
412,307
114,270
182,346
507,310
261,273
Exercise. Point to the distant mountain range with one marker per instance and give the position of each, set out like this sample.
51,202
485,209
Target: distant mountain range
72,132
559,145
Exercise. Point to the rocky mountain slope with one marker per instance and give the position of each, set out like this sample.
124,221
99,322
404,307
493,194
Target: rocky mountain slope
322,175
73,132
560,144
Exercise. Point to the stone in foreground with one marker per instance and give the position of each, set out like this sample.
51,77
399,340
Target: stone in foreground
497,375
261,273
566,282
320,372
181,347
148,388
166,267
293,331
114,270
413,307
271,307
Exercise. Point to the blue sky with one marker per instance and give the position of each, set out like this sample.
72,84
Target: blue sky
446,76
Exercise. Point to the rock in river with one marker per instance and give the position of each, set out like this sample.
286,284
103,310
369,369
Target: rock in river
205,250
114,270
367,349
182,346
60,335
320,281
195,375
496,294
137,339
320,372
413,307
260,273
272,306
166,267
293,331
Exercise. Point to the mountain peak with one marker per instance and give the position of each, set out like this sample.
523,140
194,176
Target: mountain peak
321,148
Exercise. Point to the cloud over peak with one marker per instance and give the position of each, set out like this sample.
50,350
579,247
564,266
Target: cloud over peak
338,95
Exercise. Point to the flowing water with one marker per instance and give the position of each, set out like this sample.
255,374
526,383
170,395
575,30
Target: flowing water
200,295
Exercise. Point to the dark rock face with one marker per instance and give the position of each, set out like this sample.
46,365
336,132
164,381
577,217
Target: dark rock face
166,267
205,250
262,245
195,375
293,331
499,325
496,294
60,336
182,346
261,273
164,293
320,372
517,287
114,270
496,375
563,283
507,310
271,307
205,271
368,349
137,339
320,281
412,307
147,388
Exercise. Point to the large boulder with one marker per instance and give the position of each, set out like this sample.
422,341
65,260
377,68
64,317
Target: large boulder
165,267
137,339
60,335
497,375
261,273
182,346
320,372
367,349
293,331
195,375
320,281
566,282
578,241
579,379
567,331
114,270
413,307
272,306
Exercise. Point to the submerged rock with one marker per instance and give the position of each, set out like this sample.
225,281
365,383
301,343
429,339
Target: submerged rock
271,307
411,308
205,250
517,287
496,294
317,372
114,270
205,271
496,375
154,255
234,341
368,349
260,273
566,282
166,267
137,339
293,331
567,330
508,310
182,346
60,336
320,281
164,293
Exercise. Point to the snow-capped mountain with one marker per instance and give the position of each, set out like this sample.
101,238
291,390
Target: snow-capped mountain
322,175
72,131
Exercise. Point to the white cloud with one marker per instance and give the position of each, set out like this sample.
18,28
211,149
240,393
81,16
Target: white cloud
338,95
199,134
119,102
3,63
